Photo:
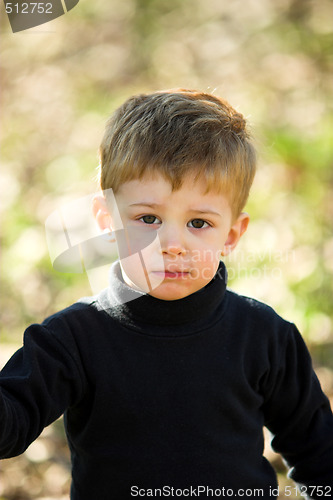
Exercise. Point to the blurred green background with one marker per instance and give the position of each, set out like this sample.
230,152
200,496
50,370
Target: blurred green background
271,59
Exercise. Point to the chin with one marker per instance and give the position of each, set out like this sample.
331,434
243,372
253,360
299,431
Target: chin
165,292
168,297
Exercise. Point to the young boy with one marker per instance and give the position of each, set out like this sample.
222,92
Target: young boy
167,378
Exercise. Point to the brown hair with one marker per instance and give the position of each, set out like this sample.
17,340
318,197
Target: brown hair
179,132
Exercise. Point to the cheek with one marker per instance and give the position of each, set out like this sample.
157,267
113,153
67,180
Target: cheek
212,239
207,255
135,271
204,272
137,250
132,240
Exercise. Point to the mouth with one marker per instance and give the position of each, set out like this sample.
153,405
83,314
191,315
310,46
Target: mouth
166,274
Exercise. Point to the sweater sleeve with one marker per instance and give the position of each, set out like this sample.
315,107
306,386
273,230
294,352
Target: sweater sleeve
39,382
299,416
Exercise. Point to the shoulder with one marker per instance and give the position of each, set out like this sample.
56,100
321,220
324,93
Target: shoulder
251,306
267,341
256,318
80,316
73,329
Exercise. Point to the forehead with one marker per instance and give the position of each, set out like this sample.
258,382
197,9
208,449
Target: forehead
158,185
155,189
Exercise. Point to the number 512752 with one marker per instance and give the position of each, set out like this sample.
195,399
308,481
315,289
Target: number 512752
29,8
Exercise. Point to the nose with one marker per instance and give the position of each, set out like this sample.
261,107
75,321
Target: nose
172,241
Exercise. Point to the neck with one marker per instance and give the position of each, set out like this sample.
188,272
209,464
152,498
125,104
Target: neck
142,311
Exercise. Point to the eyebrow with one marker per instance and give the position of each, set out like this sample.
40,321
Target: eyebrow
145,204
202,210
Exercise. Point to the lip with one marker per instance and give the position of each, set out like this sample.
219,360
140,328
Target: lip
172,274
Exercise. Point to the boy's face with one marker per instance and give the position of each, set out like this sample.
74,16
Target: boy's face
180,235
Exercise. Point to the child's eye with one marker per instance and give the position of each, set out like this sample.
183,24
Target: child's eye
149,219
198,223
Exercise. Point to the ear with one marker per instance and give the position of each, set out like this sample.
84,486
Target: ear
235,233
101,213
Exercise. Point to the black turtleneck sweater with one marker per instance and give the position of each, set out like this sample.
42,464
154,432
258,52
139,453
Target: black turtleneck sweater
170,395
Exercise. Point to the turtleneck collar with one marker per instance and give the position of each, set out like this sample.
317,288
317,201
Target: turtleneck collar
139,310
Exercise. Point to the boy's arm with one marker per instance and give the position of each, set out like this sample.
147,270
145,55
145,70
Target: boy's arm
37,384
300,418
